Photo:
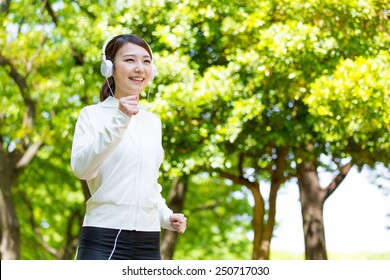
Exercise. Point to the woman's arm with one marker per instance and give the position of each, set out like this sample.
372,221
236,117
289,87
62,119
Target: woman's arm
92,145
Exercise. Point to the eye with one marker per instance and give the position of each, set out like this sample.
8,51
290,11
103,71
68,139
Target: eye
129,60
147,61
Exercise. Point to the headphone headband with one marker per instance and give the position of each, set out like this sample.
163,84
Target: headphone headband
104,47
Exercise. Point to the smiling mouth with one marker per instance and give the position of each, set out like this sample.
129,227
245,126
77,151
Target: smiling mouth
137,79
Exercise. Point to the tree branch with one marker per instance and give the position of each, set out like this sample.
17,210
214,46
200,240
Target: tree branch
277,176
71,239
34,226
5,6
208,206
338,179
14,74
238,179
28,155
241,164
51,12
36,54
85,10
24,90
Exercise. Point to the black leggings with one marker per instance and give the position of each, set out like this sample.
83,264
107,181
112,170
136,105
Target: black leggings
99,244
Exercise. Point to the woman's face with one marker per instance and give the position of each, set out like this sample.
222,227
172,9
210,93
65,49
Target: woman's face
132,70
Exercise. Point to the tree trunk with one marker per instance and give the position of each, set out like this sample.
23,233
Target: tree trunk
261,247
258,252
176,203
312,198
262,228
13,163
10,240
312,201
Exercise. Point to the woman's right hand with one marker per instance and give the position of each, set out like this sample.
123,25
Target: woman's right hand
129,105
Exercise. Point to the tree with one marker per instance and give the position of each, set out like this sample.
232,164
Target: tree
260,126
243,90
359,88
35,124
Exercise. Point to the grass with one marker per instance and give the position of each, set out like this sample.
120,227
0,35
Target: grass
281,255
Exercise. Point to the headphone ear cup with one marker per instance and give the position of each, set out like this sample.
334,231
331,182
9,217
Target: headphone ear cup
106,68
154,72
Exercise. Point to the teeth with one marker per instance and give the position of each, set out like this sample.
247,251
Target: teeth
137,79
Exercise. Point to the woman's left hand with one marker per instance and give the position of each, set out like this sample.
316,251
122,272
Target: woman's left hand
178,222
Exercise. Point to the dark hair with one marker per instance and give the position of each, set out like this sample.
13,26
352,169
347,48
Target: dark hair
111,49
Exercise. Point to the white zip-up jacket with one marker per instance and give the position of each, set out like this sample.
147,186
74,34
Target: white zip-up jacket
120,157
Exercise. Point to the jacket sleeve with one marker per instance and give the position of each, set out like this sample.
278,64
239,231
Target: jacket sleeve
165,213
91,146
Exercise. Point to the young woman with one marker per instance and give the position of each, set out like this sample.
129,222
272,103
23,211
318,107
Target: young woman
117,150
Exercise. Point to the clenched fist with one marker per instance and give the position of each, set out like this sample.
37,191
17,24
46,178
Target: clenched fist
129,105
178,222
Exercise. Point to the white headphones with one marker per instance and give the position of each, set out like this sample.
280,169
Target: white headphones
107,67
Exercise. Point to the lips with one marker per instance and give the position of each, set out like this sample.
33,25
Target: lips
137,79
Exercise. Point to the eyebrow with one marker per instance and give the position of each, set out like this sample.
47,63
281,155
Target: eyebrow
133,55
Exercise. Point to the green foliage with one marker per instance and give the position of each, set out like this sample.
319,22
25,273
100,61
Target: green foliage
219,218
352,106
55,198
233,77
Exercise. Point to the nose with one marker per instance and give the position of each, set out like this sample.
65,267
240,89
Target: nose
139,69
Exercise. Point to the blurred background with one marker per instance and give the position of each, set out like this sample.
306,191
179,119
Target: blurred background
276,120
